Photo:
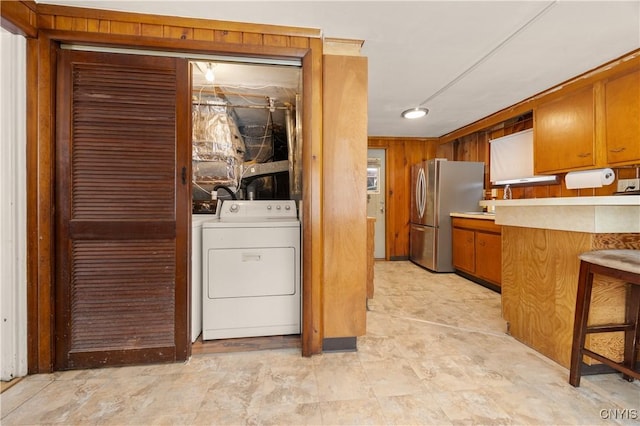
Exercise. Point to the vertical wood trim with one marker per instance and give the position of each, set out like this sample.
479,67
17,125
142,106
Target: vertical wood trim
64,111
40,207
183,211
312,202
32,205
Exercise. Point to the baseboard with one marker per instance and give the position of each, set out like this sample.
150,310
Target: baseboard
480,281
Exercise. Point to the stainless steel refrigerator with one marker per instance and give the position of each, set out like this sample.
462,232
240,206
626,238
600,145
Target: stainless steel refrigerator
439,187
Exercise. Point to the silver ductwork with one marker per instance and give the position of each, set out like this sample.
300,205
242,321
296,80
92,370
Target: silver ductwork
218,149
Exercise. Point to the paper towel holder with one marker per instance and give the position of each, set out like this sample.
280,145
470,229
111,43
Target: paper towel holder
596,178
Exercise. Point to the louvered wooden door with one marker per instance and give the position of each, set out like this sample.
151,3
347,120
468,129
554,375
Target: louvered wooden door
122,206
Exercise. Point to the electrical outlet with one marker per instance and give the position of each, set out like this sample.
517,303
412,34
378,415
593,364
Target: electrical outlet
625,185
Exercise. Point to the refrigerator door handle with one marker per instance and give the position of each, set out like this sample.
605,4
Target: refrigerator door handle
421,196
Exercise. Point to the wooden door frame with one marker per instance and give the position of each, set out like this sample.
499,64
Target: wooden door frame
41,77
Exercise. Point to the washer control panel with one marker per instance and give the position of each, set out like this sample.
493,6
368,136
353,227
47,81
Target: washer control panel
267,209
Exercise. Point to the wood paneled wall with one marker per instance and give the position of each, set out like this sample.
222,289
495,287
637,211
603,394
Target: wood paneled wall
345,207
401,154
136,24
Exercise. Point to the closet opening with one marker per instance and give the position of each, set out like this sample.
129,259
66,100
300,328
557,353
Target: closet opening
246,157
247,137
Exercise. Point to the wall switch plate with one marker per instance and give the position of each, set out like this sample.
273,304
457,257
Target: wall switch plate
628,185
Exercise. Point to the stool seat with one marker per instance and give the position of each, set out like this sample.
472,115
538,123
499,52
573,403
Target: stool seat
622,260
623,265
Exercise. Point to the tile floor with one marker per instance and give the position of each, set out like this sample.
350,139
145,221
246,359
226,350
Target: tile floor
435,353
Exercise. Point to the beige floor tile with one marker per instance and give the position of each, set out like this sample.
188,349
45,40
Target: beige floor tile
26,389
415,409
288,385
392,378
339,382
291,414
352,412
436,352
471,407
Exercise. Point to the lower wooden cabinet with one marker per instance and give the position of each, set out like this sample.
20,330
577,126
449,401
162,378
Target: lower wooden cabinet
477,250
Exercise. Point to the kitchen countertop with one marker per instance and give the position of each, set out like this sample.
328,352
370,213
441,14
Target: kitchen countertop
604,214
474,215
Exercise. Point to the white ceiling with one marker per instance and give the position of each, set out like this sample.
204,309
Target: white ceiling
466,59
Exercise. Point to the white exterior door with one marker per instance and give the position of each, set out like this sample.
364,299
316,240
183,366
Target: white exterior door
376,197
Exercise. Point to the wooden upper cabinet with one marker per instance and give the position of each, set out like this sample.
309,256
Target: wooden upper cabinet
622,115
564,133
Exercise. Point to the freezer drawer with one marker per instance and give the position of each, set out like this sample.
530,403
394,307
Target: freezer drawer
422,246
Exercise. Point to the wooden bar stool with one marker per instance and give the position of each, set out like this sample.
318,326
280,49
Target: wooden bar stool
621,264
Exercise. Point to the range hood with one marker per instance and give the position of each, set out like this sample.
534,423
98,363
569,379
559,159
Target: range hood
511,161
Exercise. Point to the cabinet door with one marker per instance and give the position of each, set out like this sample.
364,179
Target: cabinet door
564,133
489,257
464,250
622,114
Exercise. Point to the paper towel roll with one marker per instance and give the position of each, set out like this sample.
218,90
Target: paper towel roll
589,178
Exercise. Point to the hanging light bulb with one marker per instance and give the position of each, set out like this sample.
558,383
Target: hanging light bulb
209,75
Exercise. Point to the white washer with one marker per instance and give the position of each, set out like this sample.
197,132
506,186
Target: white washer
251,270
196,272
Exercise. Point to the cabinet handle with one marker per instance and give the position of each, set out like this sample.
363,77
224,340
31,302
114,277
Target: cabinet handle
184,175
584,155
470,240
481,243
617,149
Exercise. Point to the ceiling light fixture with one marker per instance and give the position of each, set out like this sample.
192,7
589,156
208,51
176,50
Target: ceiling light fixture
209,75
416,112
